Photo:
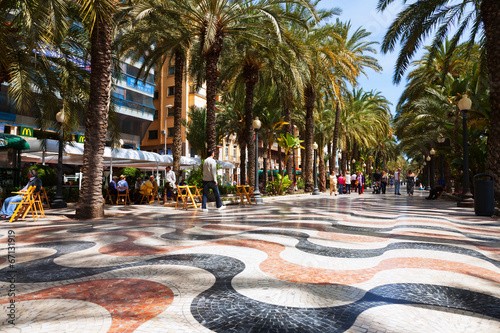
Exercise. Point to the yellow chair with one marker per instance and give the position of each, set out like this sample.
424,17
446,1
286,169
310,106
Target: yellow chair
156,194
38,205
148,196
26,205
123,196
245,192
184,193
108,196
43,196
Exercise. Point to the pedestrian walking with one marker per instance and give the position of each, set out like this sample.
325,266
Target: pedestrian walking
347,182
333,184
361,182
410,182
383,182
397,181
341,184
210,182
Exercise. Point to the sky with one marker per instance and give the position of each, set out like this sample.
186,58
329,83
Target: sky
363,13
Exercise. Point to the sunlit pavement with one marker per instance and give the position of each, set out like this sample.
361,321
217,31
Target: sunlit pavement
350,263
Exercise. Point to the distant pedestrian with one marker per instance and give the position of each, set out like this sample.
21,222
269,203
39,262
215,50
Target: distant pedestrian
383,182
333,184
354,182
341,184
210,182
347,182
410,182
361,182
397,181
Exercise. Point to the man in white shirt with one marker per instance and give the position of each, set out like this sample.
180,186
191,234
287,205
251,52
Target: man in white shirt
170,184
353,182
397,183
210,182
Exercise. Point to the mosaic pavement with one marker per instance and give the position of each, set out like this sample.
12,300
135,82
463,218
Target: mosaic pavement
370,263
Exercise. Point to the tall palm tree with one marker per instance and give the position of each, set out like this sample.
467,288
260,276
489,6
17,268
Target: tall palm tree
231,120
98,19
214,21
419,19
159,37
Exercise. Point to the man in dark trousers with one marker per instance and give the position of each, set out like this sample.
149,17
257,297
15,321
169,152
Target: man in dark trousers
210,182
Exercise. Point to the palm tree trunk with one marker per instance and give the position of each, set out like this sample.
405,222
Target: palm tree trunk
331,160
322,171
307,164
335,133
287,117
212,77
177,148
490,14
91,202
243,160
251,76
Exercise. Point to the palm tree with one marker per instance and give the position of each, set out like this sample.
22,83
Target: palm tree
158,37
231,120
214,21
420,18
98,20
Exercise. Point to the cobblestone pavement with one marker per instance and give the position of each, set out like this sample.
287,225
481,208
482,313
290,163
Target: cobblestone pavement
370,263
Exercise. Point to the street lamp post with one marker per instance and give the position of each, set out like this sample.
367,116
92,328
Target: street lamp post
315,172
466,200
166,115
432,152
59,199
264,182
441,139
428,159
353,166
256,193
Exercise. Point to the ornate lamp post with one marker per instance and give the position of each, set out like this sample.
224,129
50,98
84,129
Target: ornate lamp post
59,199
441,139
466,200
428,159
432,152
353,165
264,182
315,172
166,132
256,193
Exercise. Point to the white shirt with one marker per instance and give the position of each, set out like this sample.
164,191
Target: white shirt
170,178
348,180
396,175
353,178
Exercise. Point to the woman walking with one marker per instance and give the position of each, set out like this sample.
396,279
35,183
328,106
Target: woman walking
347,183
410,182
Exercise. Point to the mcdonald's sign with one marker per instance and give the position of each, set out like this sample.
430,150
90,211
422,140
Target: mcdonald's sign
26,131
80,138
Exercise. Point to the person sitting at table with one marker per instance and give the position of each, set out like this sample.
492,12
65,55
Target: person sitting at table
7,209
122,183
146,187
434,193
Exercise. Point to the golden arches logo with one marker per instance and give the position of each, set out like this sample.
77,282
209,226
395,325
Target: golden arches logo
26,131
81,138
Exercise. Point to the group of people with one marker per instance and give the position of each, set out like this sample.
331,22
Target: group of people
120,185
356,183
149,184
347,183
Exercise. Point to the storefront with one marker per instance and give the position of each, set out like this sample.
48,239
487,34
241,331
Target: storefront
10,159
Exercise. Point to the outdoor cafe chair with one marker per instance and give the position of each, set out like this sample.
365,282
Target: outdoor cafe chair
26,205
123,196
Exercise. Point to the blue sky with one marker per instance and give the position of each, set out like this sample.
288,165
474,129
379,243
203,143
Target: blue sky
363,13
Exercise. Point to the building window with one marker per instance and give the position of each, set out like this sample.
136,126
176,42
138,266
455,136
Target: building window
226,152
156,94
170,132
191,89
171,91
155,117
153,135
171,70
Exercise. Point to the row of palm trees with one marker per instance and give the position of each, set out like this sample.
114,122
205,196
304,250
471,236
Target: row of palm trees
266,46
452,20
234,47
427,110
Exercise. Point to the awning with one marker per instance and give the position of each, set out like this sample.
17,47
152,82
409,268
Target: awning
73,154
13,141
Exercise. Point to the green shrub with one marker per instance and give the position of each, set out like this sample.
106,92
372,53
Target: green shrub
131,174
47,175
301,183
278,186
227,189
